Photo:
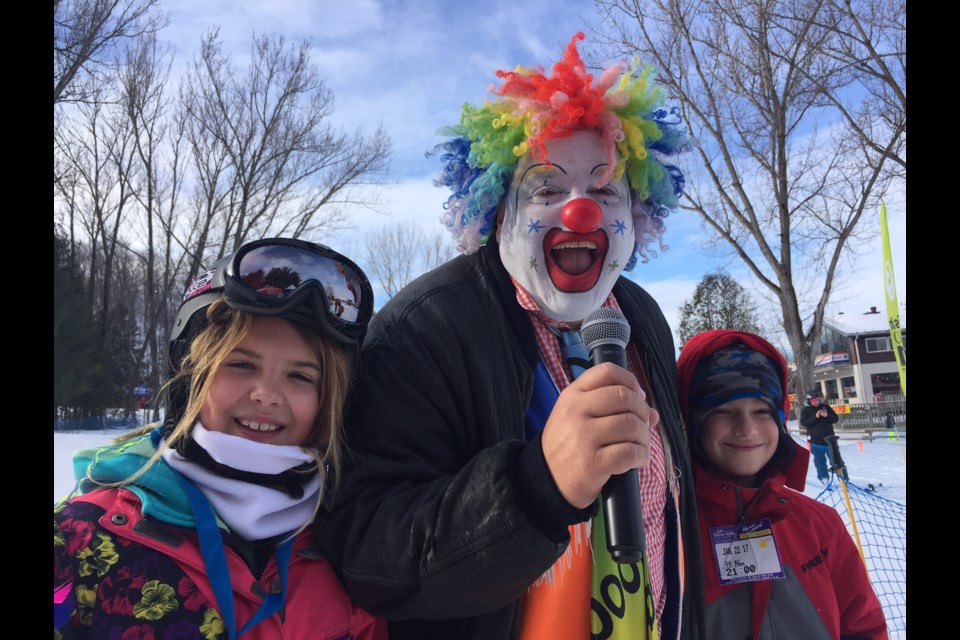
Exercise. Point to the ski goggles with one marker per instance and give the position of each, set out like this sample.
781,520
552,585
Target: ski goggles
294,279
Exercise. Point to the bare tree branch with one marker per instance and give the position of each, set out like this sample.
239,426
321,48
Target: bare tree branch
782,98
85,38
398,253
268,159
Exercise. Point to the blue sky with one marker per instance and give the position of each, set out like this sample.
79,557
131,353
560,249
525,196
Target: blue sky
411,65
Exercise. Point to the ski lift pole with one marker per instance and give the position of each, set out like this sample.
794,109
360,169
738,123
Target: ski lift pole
833,452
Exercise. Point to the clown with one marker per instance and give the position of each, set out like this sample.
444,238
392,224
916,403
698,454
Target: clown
472,510
538,125
562,235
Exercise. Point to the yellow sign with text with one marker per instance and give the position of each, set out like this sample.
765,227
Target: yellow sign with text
893,311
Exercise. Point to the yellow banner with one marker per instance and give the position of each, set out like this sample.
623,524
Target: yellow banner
893,310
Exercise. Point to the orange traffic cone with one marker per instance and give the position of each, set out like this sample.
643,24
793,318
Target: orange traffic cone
860,445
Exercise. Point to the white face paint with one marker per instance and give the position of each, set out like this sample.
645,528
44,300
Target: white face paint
564,238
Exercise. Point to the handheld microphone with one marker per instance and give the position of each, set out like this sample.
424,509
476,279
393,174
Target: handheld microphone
605,333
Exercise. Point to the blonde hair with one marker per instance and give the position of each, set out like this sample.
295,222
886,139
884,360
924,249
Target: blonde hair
224,331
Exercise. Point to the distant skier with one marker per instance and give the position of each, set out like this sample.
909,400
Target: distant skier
818,418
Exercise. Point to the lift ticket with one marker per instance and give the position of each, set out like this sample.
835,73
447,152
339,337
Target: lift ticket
746,552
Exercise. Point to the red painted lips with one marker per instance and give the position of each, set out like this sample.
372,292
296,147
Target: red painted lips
575,260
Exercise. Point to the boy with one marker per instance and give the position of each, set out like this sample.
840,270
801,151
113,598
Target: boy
778,564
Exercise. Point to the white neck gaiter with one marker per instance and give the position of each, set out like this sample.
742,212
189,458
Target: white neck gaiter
252,511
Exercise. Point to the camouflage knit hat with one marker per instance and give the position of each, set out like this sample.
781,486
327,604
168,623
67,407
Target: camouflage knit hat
733,373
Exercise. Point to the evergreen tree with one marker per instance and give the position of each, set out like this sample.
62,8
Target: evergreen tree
76,365
121,370
719,302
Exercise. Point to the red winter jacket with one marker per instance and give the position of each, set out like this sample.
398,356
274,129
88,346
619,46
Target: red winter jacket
825,591
128,574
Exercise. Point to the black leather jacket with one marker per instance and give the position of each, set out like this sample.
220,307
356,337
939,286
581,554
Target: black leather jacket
445,515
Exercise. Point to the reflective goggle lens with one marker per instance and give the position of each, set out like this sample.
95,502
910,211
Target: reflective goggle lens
280,270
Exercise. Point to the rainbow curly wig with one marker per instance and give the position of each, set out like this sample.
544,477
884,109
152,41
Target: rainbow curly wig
623,105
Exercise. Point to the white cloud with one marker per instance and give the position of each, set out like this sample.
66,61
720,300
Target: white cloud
411,66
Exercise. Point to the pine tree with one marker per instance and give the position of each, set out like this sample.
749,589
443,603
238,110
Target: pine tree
76,365
719,302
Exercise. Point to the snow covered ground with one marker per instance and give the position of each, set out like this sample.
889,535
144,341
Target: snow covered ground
879,462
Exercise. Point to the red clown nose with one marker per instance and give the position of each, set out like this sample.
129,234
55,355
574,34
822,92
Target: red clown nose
581,215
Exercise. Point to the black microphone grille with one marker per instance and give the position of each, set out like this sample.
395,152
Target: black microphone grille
605,326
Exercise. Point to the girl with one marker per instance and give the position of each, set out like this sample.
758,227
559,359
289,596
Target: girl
200,528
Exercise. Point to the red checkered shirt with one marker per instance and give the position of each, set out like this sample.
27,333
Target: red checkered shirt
653,479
